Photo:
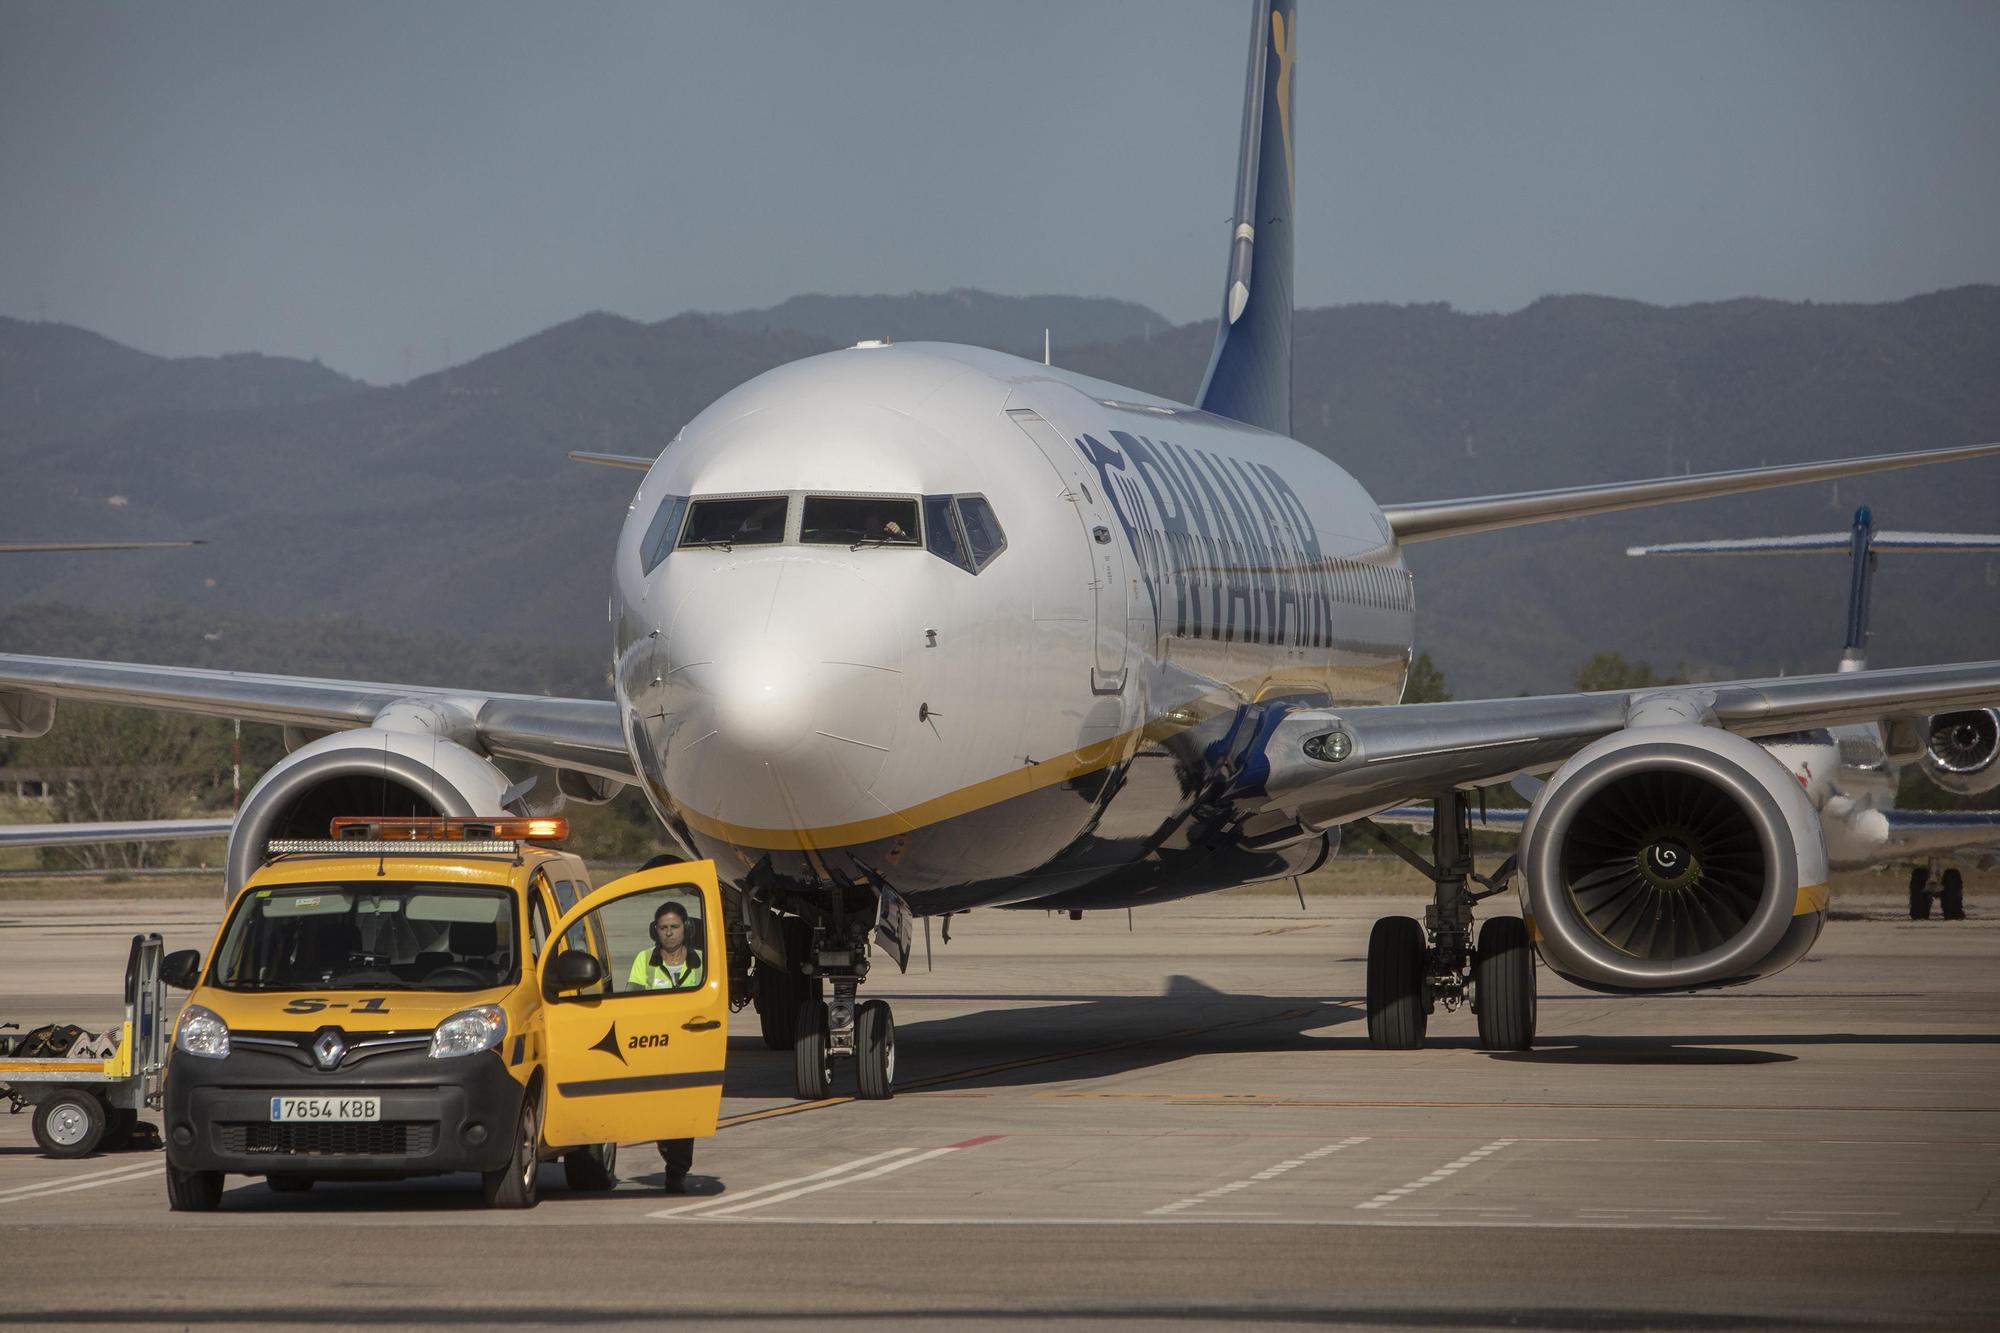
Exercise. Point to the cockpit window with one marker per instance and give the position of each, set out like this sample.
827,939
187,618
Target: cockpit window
851,520
982,529
941,532
660,533
757,520
963,530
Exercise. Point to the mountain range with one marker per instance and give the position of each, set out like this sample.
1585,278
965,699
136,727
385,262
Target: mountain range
445,505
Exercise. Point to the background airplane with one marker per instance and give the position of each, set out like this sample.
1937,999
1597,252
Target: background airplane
1853,770
911,629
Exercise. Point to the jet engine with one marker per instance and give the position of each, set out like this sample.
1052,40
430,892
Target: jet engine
1672,858
401,766
1963,755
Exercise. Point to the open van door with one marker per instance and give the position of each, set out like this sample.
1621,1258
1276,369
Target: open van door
636,1045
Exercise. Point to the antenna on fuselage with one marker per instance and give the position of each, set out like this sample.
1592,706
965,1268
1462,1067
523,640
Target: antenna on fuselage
1045,346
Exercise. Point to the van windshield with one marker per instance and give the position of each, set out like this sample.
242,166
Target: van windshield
372,935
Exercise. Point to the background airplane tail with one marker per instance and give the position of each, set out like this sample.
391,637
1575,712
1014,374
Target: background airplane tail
1862,544
1249,377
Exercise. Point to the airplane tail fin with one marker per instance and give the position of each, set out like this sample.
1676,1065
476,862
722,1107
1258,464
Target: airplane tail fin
1861,544
1249,377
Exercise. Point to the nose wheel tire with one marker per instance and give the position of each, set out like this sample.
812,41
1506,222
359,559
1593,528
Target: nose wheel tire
812,1065
69,1124
1398,1007
517,1184
875,1050
1951,898
193,1191
1503,985
1920,894
779,994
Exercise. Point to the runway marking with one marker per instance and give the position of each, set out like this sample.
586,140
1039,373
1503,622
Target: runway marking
1453,1167
897,1159
781,1184
981,1071
119,1176
1233,1099
1268,1173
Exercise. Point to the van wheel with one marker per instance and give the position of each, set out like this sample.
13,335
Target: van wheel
592,1168
193,1191
69,1124
515,1185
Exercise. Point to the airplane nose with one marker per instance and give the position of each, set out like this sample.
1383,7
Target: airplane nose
785,678
763,701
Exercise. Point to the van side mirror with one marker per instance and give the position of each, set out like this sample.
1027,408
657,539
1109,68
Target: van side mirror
574,969
181,968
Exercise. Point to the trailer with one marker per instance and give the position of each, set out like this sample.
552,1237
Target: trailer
83,1104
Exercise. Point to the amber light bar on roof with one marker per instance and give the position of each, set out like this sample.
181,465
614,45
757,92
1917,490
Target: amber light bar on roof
447,829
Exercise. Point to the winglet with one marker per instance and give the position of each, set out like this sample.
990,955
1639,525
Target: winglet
1249,376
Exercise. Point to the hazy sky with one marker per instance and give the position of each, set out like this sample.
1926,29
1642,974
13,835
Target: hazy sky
386,185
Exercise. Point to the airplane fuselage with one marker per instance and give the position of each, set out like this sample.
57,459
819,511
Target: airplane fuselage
1037,722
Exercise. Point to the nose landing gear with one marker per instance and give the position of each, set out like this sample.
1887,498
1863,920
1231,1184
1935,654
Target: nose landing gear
1412,967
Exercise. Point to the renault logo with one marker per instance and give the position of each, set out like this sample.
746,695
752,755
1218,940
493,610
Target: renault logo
329,1047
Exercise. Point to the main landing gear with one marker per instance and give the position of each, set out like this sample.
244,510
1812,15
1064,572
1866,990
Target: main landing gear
1950,895
1412,966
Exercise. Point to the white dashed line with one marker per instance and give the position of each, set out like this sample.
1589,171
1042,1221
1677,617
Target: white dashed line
122,1175
737,1196
1268,1173
1387,1197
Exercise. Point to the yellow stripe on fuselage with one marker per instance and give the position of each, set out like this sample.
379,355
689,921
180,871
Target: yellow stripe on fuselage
1031,777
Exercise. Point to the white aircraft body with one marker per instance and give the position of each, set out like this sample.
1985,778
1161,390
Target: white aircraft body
1852,772
914,629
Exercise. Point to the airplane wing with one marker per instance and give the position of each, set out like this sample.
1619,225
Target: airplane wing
20,548
581,734
1429,520
137,830
1829,543
1321,766
1940,832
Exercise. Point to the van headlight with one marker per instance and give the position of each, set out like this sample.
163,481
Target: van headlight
469,1031
202,1032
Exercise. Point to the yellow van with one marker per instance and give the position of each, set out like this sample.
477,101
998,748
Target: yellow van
417,996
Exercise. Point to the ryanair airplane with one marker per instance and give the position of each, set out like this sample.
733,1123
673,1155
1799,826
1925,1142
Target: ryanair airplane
905,630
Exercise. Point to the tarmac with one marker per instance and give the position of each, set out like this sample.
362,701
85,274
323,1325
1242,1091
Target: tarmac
1175,1118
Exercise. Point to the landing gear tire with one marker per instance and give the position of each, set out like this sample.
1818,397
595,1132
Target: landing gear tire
812,1065
289,1184
591,1169
779,994
193,1191
69,1124
1920,894
875,1050
1952,897
1398,1009
517,1184
1503,985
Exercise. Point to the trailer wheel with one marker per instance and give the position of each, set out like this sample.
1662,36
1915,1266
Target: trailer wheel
69,1124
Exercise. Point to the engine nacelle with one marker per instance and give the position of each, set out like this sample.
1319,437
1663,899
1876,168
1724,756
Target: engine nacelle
1672,858
371,771
1963,754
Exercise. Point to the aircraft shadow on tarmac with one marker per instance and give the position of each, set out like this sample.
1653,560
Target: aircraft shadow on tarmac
1064,1038
1719,1050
